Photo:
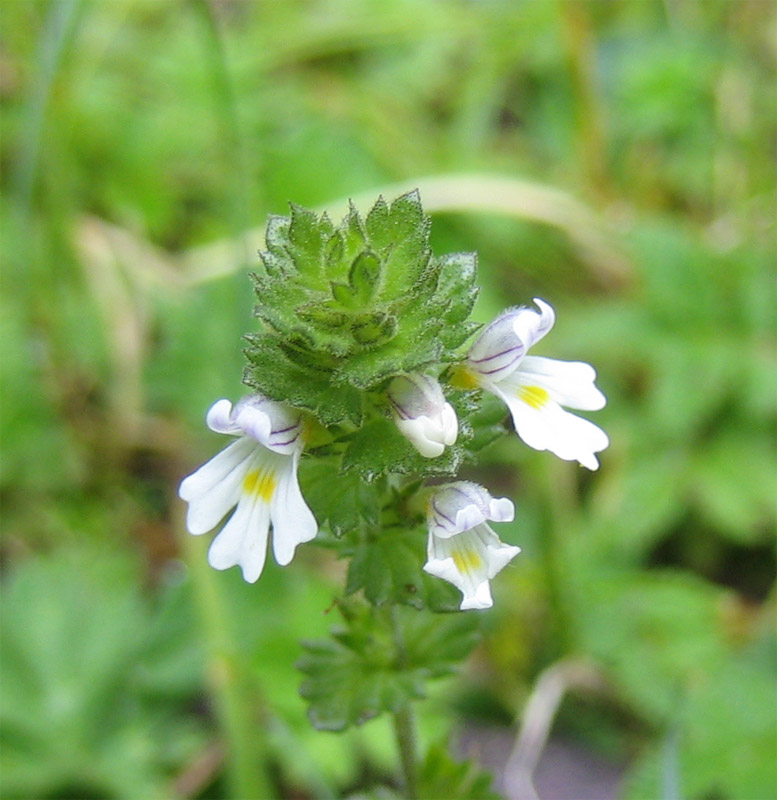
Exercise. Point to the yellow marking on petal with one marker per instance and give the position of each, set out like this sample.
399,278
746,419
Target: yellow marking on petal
464,378
467,560
260,482
534,396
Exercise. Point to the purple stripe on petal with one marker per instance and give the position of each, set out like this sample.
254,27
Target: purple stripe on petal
284,444
500,368
441,514
401,411
285,430
496,355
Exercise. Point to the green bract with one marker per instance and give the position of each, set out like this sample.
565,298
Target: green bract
344,308
357,674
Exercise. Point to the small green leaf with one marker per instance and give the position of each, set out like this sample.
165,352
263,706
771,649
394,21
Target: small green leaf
342,293
365,275
353,236
334,253
361,672
374,328
272,372
307,237
378,448
277,236
323,316
407,231
388,565
375,446
354,676
378,224
481,419
345,502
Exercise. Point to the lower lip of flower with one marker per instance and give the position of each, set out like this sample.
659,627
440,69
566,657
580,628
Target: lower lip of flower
261,483
467,561
534,396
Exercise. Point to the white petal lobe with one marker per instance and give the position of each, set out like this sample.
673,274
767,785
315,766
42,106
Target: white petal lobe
293,522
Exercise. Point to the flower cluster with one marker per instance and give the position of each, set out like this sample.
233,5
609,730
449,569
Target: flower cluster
256,475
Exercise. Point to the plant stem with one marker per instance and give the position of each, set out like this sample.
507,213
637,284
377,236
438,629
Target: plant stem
404,728
404,718
560,493
234,702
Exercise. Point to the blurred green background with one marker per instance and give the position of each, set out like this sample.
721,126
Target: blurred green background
613,158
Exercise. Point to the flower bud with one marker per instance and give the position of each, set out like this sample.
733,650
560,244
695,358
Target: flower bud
421,413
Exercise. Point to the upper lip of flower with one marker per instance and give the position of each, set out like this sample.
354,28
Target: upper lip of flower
470,505
270,423
512,333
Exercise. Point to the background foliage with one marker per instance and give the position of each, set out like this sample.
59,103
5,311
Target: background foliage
615,159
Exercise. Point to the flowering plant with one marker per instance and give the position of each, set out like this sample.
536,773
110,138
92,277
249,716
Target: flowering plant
362,389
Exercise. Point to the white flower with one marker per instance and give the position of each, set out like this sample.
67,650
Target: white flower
535,389
421,413
258,474
462,548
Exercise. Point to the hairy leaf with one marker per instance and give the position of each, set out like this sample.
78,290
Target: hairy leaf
364,670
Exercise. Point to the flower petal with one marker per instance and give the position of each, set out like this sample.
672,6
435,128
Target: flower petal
423,434
498,349
570,383
450,425
459,506
215,487
547,426
219,418
452,511
499,554
457,560
243,540
530,326
293,522
253,421
421,413
500,509
480,598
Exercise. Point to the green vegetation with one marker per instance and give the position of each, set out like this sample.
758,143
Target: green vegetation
615,159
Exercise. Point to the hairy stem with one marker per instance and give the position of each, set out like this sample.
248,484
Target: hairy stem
404,728
234,703
404,719
559,490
